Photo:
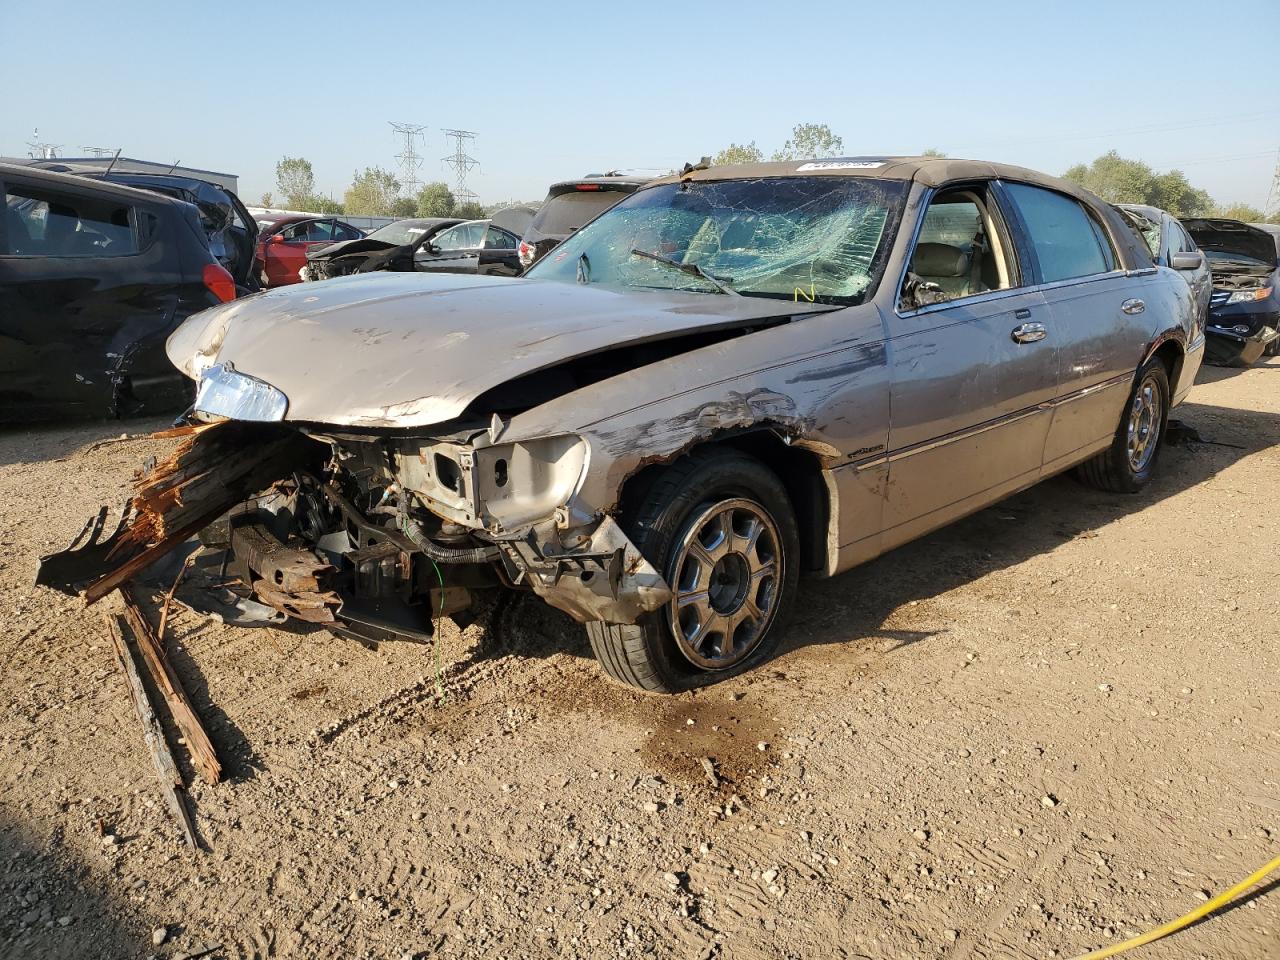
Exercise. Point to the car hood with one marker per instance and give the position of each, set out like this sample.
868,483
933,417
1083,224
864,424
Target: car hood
342,247
1233,236
413,349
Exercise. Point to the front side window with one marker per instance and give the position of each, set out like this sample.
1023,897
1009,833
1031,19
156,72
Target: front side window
1068,243
44,224
807,239
465,236
958,252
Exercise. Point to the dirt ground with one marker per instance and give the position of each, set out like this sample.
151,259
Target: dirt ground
1045,729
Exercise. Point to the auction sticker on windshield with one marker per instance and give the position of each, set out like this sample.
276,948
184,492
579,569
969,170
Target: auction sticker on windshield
840,165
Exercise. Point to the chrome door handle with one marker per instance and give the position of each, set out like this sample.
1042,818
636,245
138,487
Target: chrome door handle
1029,332
1133,306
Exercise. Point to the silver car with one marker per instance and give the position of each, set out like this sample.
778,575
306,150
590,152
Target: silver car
735,376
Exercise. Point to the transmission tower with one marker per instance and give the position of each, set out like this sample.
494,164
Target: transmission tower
410,159
99,151
1273,195
41,149
461,162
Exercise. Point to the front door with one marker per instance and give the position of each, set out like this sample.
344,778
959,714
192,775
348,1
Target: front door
457,250
973,360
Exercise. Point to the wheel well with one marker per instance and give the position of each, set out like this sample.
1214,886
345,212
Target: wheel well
799,470
1170,354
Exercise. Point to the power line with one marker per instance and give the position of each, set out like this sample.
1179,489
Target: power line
461,162
410,159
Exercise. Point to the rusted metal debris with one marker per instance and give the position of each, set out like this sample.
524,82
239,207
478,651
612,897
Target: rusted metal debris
215,467
166,768
203,755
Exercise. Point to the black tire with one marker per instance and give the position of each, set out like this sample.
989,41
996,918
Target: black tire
1272,348
646,654
1113,469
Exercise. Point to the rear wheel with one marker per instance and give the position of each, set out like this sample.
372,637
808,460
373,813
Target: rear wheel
1127,465
720,528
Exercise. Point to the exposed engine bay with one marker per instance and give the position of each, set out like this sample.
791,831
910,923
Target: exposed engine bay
373,536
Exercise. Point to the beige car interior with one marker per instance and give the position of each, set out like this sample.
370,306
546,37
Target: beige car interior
959,248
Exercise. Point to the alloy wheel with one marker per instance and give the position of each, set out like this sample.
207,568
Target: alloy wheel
725,573
1145,417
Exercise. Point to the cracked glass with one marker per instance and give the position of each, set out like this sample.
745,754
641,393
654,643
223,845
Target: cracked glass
806,239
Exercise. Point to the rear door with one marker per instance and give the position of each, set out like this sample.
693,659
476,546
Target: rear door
971,371
500,255
87,280
1097,310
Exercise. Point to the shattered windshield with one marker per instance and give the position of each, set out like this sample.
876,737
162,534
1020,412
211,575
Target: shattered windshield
814,239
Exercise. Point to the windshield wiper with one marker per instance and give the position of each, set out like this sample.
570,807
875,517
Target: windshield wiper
584,269
720,283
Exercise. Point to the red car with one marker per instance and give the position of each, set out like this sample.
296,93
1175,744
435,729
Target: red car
283,243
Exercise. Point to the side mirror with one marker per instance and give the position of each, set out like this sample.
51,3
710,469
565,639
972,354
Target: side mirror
1192,260
276,238
917,293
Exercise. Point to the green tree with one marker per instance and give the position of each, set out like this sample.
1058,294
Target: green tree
266,200
371,194
435,200
469,211
933,152
738,153
810,141
1238,211
295,181
404,207
1119,180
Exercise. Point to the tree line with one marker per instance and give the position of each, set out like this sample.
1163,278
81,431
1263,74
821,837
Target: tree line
374,192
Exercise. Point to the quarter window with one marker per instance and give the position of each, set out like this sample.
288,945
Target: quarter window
1068,242
45,224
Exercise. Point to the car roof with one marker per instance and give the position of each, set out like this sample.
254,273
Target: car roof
1148,211
74,182
930,171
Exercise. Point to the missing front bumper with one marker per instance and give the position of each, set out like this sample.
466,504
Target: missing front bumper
605,578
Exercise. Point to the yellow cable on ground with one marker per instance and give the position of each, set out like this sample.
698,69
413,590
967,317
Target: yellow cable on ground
1186,919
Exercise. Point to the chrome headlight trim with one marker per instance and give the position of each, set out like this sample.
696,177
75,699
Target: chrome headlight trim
225,392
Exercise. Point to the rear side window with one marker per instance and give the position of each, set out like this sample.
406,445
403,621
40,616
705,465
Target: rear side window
41,223
563,214
1067,241
498,239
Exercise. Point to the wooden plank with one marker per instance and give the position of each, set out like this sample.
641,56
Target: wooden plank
203,755
166,769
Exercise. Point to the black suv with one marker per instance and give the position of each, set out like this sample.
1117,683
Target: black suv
93,278
570,205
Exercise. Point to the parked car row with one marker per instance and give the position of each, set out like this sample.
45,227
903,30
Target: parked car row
685,405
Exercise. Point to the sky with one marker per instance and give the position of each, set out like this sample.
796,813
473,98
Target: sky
560,89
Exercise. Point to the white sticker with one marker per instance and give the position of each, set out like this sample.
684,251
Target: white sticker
840,165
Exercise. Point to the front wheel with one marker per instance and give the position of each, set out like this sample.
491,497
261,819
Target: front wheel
1126,466
720,527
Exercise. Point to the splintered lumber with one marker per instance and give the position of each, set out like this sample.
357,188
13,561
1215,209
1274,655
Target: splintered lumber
203,755
213,468
166,769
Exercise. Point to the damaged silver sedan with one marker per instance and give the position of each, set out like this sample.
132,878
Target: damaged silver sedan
734,377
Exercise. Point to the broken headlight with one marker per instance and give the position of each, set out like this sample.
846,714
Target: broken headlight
524,482
225,392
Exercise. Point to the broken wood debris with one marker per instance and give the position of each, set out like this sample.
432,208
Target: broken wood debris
203,755
215,467
166,768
